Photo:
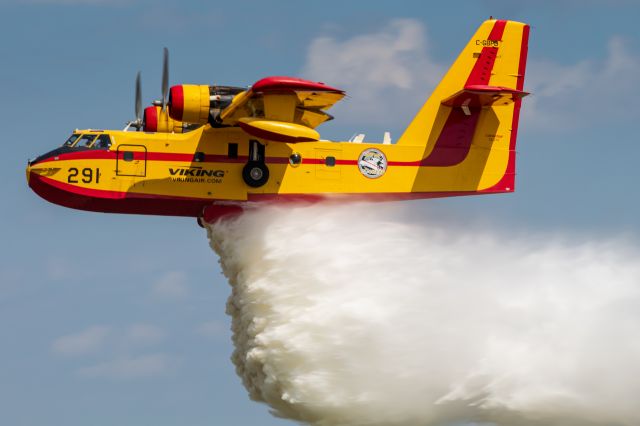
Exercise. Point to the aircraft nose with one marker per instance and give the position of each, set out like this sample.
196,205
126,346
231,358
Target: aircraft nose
32,168
39,172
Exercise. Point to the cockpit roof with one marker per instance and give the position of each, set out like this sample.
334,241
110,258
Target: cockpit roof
89,131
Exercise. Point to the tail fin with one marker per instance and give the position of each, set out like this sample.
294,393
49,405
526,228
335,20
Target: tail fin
468,126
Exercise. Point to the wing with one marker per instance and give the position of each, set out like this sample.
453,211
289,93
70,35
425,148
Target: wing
284,105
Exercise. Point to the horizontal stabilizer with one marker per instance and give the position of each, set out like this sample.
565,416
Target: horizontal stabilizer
482,95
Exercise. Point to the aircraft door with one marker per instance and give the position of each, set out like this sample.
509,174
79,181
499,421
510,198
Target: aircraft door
131,160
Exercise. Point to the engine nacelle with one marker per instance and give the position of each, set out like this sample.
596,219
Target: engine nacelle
156,120
199,104
190,103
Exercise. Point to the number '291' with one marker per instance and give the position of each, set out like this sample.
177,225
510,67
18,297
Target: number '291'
86,175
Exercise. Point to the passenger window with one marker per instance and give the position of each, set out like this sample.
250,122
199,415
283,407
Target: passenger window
72,139
330,161
85,141
233,150
103,142
127,156
198,157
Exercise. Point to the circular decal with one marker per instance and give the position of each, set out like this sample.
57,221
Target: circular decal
372,163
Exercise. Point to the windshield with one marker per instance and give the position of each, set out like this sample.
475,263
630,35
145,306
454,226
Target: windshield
71,139
88,141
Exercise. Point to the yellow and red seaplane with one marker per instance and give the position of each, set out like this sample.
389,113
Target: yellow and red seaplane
206,151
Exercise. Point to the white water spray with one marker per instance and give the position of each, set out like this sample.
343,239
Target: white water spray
352,315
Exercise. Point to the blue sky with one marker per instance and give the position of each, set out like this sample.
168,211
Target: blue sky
109,319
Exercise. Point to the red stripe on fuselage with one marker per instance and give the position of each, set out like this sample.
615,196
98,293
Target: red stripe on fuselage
208,158
82,155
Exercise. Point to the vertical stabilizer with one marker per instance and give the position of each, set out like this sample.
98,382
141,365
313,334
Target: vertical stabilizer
470,121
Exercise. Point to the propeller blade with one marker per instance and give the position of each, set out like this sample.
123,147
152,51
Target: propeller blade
138,100
165,78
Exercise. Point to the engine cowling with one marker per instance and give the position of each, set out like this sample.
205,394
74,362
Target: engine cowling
156,120
190,103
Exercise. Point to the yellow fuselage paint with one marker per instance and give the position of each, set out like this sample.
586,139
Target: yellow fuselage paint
167,153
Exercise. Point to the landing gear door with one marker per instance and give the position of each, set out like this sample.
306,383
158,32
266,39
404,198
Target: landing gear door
131,160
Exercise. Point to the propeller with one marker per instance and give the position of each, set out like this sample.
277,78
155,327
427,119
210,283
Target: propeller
138,123
164,102
165,78
138,107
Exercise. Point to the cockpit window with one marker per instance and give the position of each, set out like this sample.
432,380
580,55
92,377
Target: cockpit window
103,142
93,141
72,139
85,141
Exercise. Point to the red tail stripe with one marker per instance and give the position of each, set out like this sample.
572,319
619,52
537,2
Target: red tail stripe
524,50
481,72
454,142
508,181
